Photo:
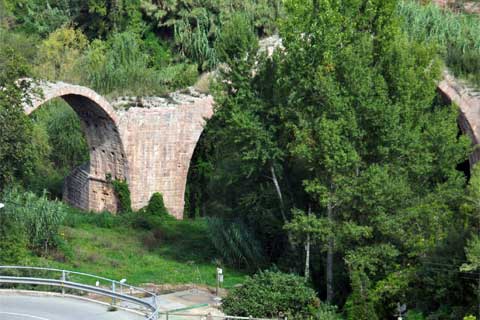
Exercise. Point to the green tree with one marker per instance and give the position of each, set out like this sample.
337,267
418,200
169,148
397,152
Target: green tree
343,119
60,53
359,100
472,250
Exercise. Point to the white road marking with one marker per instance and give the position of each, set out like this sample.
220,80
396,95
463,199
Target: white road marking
23,315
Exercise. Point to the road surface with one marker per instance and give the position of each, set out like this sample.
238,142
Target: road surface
25,307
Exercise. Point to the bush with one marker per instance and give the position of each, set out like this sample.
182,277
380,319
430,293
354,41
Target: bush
38,217
13,241
268,293
153,215
156,206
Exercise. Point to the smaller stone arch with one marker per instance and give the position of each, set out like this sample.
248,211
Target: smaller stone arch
89,186
468,100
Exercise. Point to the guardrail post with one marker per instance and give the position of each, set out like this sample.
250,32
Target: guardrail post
166,315
113,290
63,282
154,297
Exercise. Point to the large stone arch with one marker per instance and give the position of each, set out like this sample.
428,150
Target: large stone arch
89,187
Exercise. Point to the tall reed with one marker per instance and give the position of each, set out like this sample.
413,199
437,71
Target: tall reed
457,35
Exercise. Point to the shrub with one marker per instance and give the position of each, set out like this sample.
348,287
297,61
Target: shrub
39,217
13,241
235,243
268,293
156,206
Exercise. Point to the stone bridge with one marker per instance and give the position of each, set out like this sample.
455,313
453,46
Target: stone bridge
147,141
150,141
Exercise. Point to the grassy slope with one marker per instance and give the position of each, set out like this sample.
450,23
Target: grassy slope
182,255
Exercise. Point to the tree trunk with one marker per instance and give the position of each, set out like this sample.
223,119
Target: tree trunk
282,205
307,258
478,296
307,250
279,193
330,257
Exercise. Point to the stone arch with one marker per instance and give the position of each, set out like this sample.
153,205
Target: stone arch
468,102
88,186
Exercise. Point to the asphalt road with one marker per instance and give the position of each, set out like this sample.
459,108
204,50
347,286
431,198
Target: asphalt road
24,307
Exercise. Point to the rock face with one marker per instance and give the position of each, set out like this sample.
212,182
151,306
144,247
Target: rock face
147,141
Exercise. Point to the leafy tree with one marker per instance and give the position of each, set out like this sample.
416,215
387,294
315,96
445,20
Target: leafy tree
359,100
472,250
38,17
16,150
343,119
60,53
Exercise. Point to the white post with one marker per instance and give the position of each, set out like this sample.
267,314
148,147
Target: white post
63,282
113,290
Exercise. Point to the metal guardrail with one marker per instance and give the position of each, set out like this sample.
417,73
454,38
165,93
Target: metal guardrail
110,291
63,281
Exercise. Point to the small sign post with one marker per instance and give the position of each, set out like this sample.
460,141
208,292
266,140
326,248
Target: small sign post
219,280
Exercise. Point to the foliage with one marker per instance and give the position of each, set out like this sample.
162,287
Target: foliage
123,194
13,242
236,38
193,41
455,34
59,54
167,15
119,66
39,218
268,293
235,243
344,120
38,17
359,305
196,25
16,150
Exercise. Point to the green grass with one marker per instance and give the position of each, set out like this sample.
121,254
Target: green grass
181,253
